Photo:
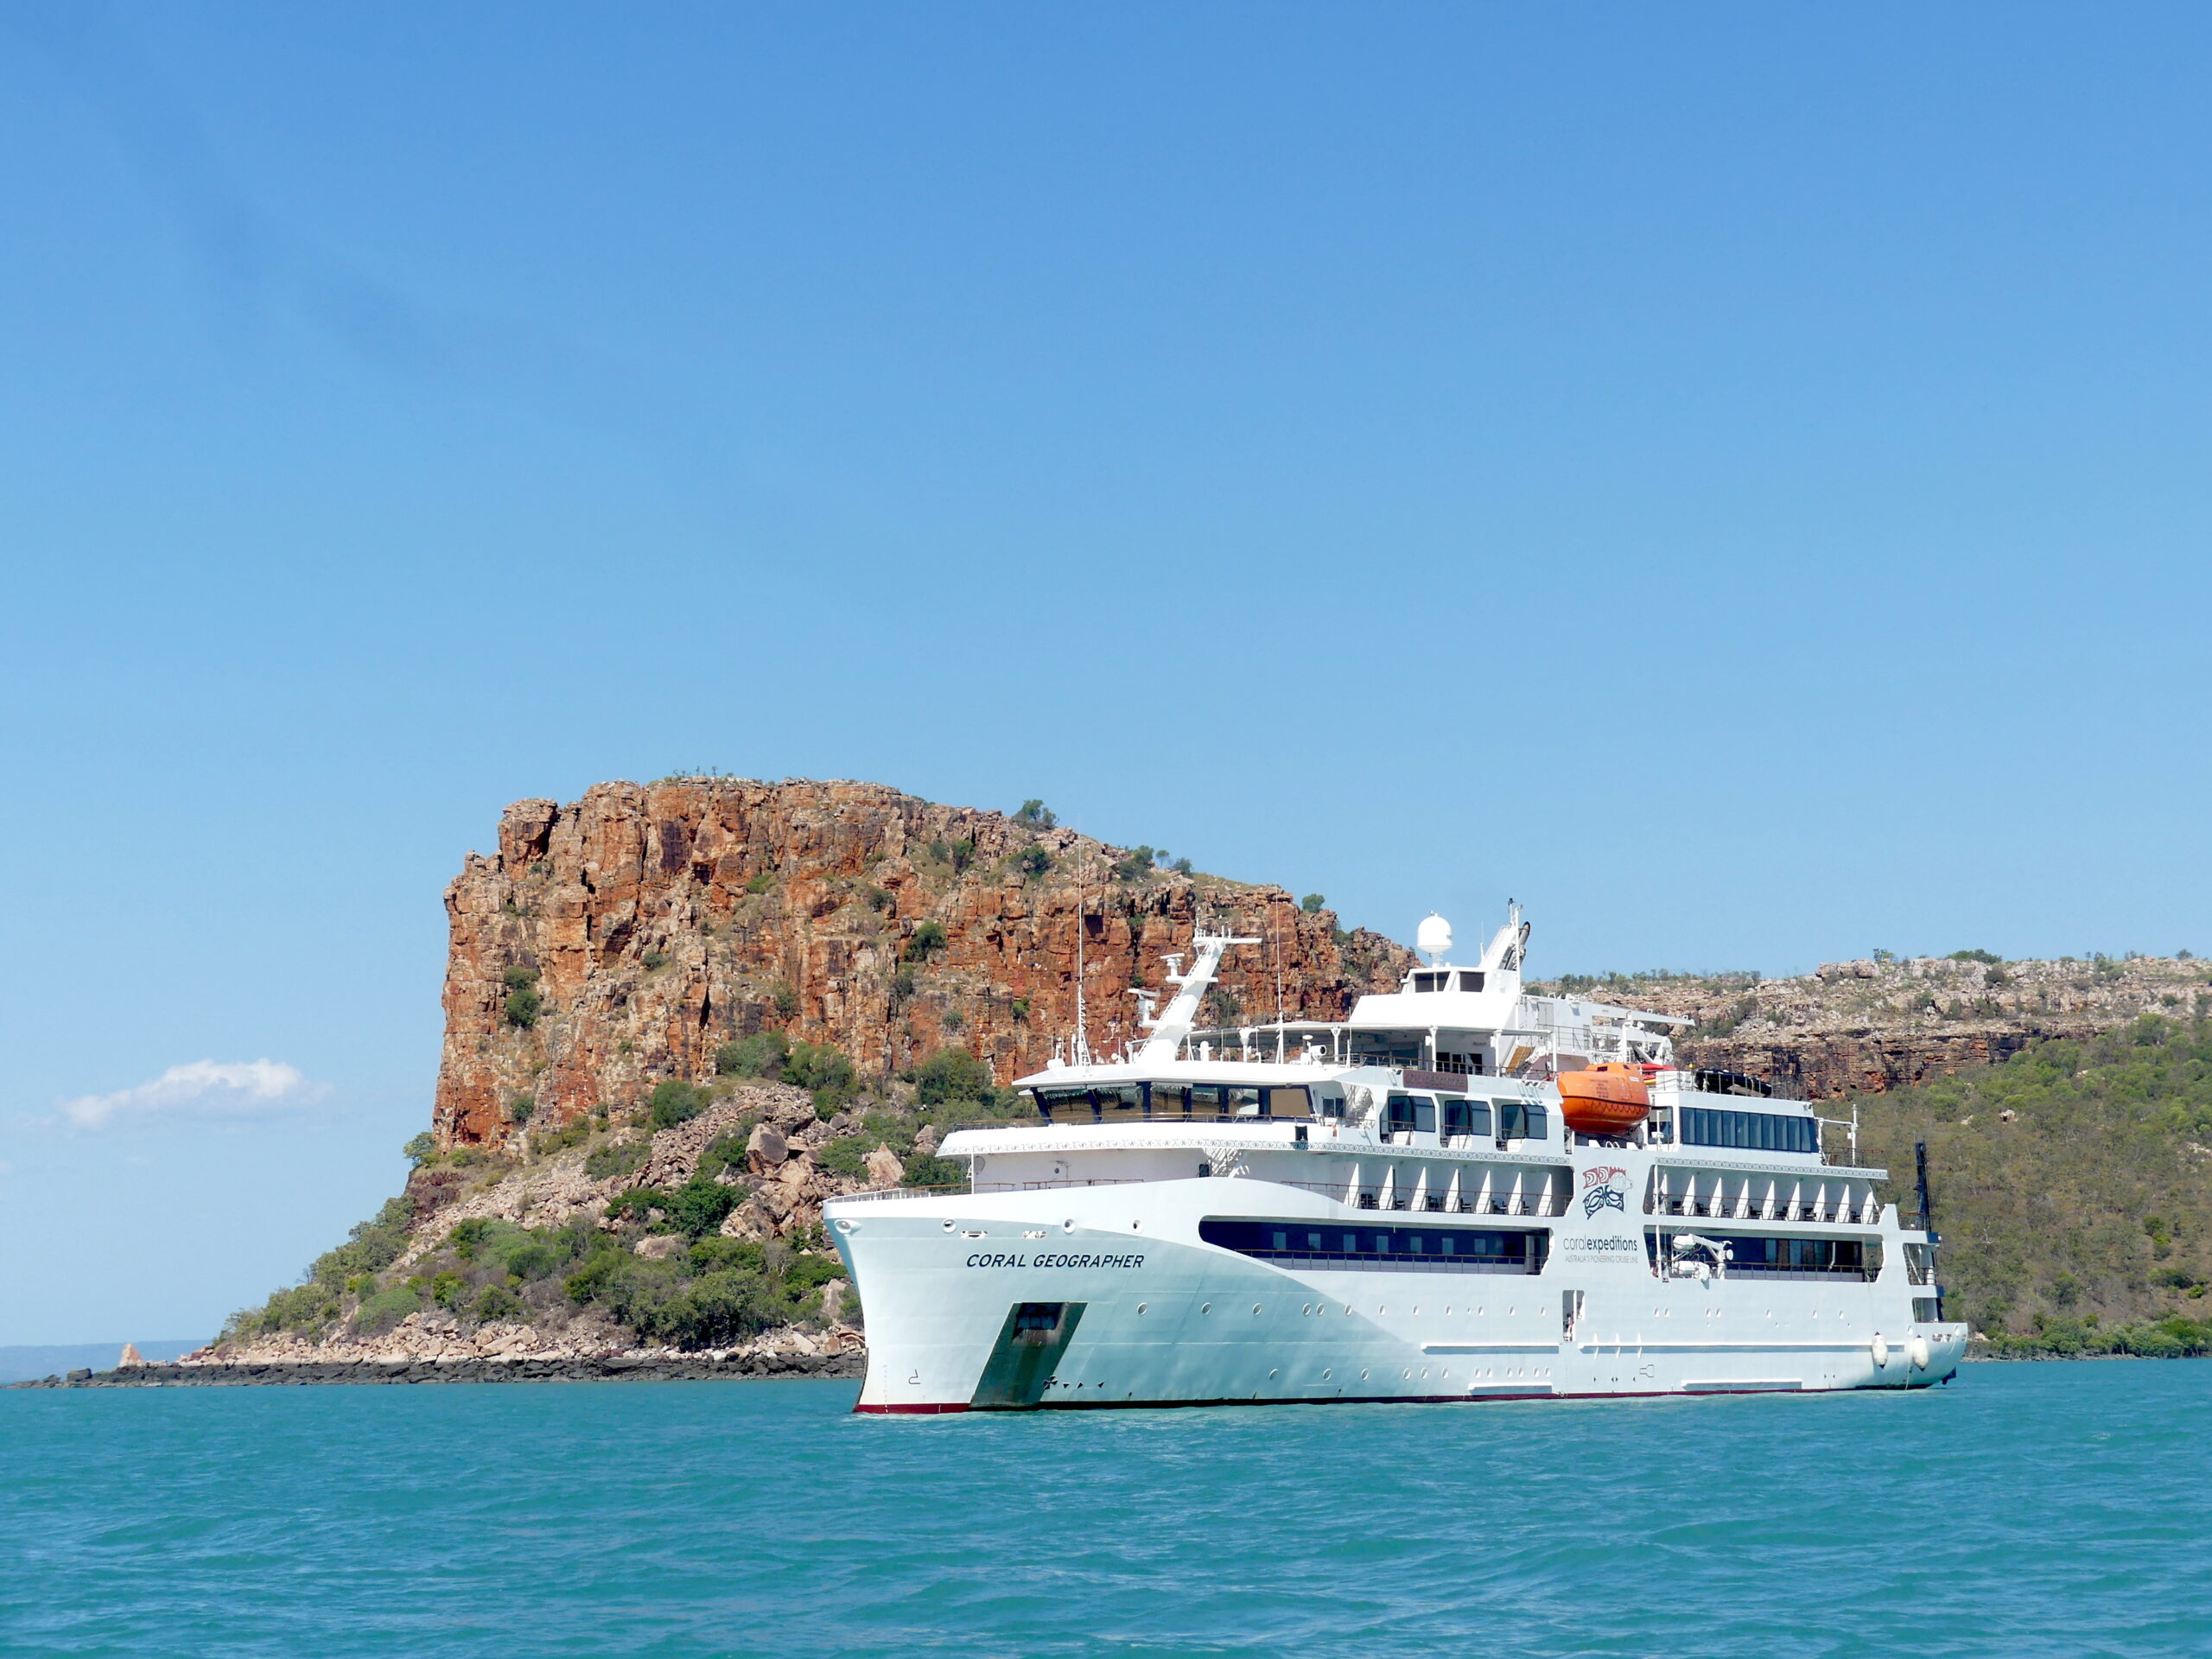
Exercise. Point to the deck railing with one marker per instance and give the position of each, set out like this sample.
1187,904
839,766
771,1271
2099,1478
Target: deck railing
1532,1204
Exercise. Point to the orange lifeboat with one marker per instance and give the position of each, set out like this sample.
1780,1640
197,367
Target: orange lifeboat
1604,1099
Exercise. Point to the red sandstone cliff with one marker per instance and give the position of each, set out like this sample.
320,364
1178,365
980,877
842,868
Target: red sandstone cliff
620,940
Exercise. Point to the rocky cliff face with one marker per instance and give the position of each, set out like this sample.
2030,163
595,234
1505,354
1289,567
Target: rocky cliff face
1868,1028
618,941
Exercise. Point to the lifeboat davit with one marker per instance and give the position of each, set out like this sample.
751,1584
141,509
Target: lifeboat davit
1605,1099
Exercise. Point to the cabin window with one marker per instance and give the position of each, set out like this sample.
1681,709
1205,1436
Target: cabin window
1244,1102
1457,1250
1398,1114
1926,1309
1470,981
1521,1120
1458,1119
1750,1131
1332,1106
1424,1114
1290,1103
1846,1258
1205,1100
1171,1100
1431,982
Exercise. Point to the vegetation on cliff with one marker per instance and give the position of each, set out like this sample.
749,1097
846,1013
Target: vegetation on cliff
692,1223
2072,1185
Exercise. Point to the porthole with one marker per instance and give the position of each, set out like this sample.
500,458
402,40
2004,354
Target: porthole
1362,1374
1327,1374
1409,1376
949,1225
1206,1308
1416,1310
1255,1309
844,1226
1273,1374
1307,1310
1068,1226
1140,1307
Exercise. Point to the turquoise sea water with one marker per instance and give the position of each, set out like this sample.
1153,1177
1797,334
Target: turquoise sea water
2026,1510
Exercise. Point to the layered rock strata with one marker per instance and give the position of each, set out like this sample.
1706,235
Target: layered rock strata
621,939
1866,1028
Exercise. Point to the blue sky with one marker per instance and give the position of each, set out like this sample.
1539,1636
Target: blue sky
1731,477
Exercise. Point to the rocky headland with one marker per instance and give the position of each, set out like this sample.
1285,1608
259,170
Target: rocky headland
679,1016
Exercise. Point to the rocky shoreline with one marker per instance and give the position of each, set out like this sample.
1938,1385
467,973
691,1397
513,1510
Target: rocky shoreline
614,1368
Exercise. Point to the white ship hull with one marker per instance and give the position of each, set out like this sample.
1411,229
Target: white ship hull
1143,1313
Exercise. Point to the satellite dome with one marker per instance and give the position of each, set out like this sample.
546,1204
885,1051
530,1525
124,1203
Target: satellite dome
1434,935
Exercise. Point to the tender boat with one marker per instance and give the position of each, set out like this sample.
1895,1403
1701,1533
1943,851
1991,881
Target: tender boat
1462,1192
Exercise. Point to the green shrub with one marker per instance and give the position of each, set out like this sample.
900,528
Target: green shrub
824,1071
674,1102
709,1255
498,1302
420,1150
1312,904
785,999
574,1133
927,1169
379,1312
1033,860
1137,863
638,1201
724,1151
523,1008
1989,957
1182,867
952,1074
654,961
446,1288
697,1208
520,1108
927,941
1035,815
715,1309
847,1156
760,883
615,1159
760,1055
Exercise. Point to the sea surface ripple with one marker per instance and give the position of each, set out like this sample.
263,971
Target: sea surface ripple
2025,1509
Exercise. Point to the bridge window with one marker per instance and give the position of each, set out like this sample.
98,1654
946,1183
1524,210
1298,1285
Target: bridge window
1470,981
1431,982
1289,1103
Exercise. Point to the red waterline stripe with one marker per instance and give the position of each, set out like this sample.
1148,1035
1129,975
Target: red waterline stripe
1373,1400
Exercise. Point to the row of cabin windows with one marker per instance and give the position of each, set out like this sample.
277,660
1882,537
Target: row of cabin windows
1703,1126
1448,979
1847,1257
1121,1101
1468,1248
1516,1120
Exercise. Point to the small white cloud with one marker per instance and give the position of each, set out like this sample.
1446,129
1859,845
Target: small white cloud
207,1088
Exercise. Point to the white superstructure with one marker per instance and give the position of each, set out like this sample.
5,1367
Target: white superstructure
1393,1207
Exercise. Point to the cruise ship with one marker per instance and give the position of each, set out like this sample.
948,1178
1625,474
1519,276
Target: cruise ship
1462,1192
